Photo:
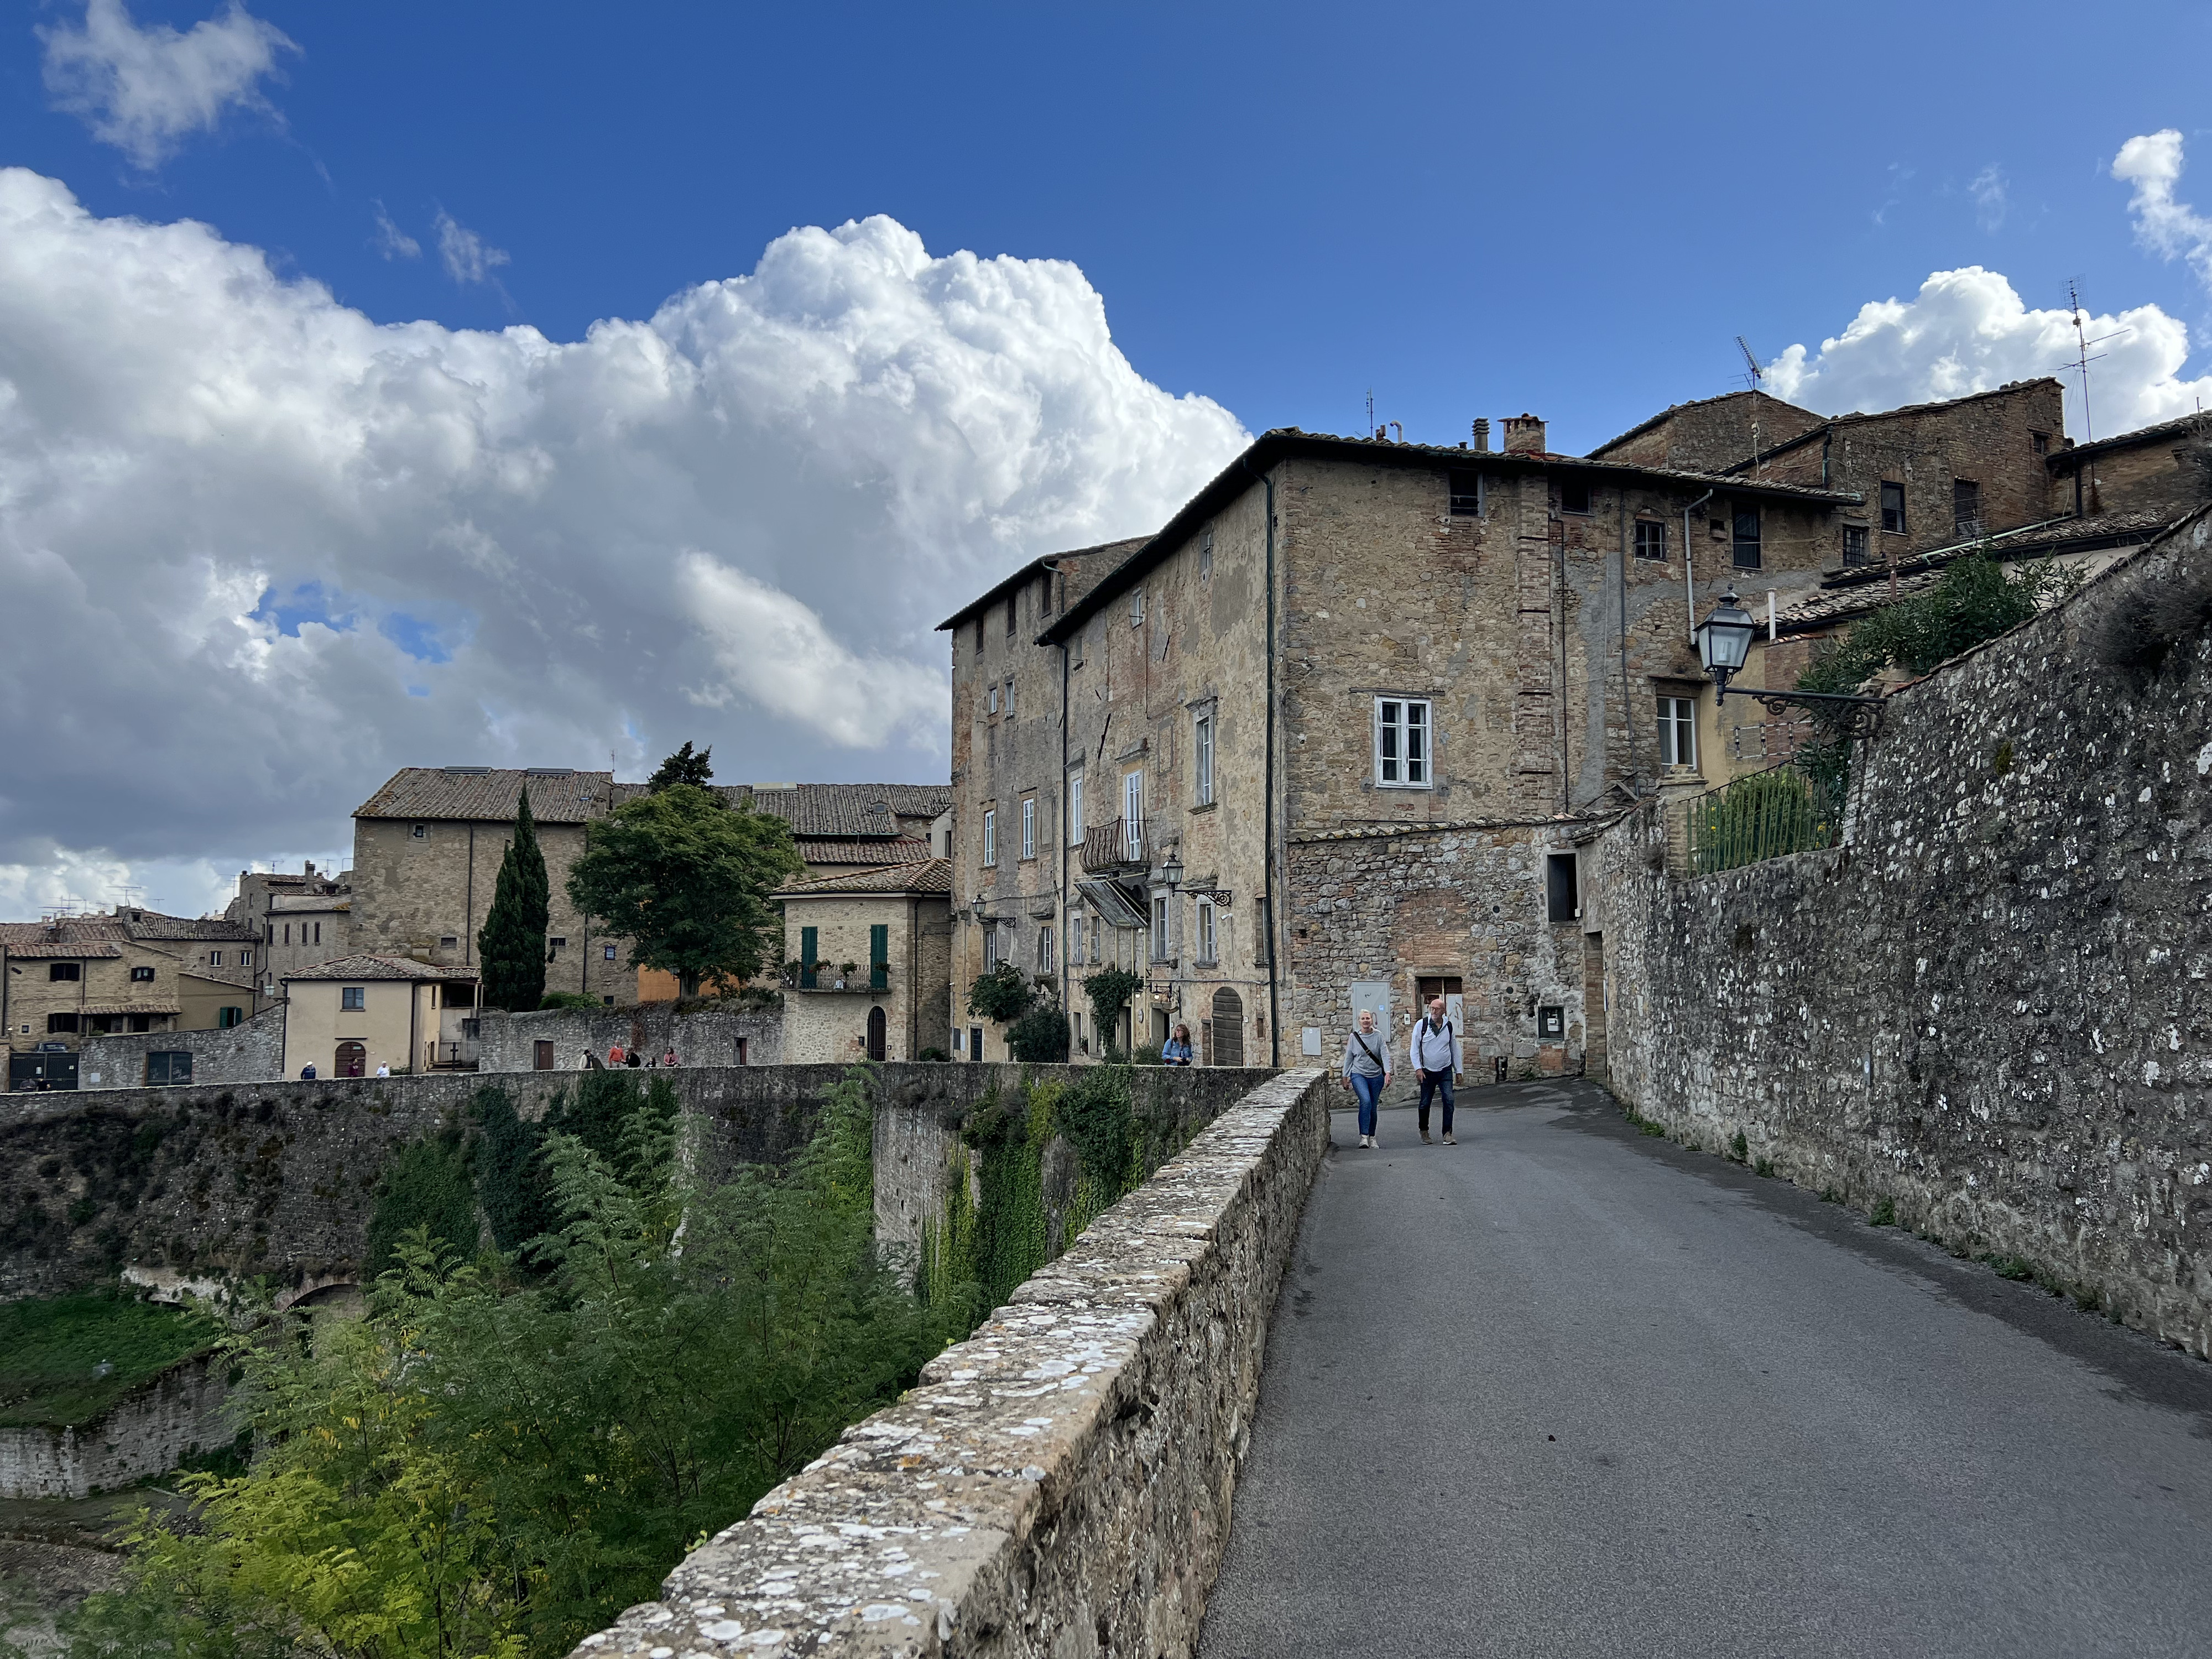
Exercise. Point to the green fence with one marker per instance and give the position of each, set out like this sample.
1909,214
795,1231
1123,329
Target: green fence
1765,815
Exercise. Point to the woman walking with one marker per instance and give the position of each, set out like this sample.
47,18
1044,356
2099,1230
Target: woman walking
1176,1051
1367,1071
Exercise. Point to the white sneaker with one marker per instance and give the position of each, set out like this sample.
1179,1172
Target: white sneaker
1366,1140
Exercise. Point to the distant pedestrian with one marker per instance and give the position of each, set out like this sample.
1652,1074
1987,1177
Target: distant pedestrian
615,1056
669,1059
1176,1051
1433,1050
384,1068
634,1059
1367,1071
307,1072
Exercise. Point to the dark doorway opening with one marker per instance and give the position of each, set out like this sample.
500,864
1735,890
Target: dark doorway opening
879,1029
1228,1028
352,1059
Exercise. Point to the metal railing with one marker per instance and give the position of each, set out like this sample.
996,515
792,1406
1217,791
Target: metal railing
1763,815
1114,846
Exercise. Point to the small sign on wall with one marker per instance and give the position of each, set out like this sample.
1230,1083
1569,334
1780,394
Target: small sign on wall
1551,1023
1309,1040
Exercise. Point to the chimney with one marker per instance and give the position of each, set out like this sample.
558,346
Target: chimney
1524,435
1482,436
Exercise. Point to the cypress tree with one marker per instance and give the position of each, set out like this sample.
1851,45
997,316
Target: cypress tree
512,942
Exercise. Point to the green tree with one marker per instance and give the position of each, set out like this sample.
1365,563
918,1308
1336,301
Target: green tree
686,880
684,767
1039,1036
1107,990
1003,994
512,942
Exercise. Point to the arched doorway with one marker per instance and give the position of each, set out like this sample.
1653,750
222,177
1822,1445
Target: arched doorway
353,1059
1228,1028
877,1027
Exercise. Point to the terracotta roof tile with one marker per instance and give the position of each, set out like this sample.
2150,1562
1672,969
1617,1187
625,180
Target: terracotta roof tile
871,852
65,952
488,794
365,966
934,876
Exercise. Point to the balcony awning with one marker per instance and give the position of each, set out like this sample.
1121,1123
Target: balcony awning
1114,902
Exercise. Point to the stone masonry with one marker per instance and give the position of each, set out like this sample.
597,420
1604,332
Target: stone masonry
1988,1008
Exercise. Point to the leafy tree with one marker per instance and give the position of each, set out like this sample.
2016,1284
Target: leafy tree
1003,994
1107,990
686,880
1973,600
511,941
1039,1036
424,1188
684,767
513,1183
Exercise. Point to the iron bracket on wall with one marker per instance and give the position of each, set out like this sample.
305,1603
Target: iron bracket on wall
1857,718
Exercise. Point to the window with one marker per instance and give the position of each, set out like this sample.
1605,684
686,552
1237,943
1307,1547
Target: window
1132,816
1075,660
1966,506
1466,488
1574,496
991,704
142,975
1074,936
59,1023
1678,732
554,947
990,947
1202,760
319,931
1650,539
1075,809
2040,443
245,958
1029,827
1205,555
879,956
227,1017
58,970
214,958
353,999
1855,545
163,1069
449,942
420,831
1010,616
1747,538
287,933
1010,699
1136,607
990,838
1159,927
1044,950
1892,507
1207,952
1044,594
1402,743
979,636
606,953
1562,892
809,955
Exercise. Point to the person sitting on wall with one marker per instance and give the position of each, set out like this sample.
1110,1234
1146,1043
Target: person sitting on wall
1176,1051
615,1056
633,1060
669,1059
384,1068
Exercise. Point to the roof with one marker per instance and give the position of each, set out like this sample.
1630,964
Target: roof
1287,443
68,929
320,903
132,1008
152,924
932,876
906,849
1673,410
2181,427
488,794
1114,552
1834,421
366,966
78,953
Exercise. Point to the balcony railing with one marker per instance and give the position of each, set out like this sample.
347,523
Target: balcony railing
865,976
1116,845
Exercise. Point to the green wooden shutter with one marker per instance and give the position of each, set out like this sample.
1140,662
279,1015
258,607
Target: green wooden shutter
809,947
879,956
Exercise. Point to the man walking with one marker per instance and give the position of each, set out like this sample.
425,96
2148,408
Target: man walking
1434,1052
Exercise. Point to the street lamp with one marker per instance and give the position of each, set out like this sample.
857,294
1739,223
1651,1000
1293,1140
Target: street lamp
1171,870
976,909
1724,640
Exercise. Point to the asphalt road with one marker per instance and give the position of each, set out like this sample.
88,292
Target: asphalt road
1566,1390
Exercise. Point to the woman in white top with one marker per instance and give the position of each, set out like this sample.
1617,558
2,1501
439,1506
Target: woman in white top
1367,1071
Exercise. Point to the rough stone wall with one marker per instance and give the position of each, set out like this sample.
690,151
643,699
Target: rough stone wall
2172,473
176,1415
1059,1484
701,1037
827,1025
1712,433
1990,1007
251,1053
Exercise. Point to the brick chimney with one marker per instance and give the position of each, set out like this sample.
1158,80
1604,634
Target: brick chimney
1524,435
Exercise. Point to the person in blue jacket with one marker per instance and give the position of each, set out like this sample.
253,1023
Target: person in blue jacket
1176,1051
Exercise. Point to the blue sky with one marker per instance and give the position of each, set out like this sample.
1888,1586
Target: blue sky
721,472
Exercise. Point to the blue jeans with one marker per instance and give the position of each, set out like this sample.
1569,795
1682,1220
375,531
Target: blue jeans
1435,1083
1370,1090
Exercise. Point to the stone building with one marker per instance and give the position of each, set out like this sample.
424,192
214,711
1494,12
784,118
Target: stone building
71,978
349,1017
302,919
874,955
428,845
1336,736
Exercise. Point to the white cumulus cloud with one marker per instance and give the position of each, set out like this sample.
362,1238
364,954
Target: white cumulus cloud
144,90
2166,226
393,242
468,258
260,551
1968,331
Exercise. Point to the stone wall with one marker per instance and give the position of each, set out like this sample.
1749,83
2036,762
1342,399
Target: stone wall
1989,1008
176,1415
1059,1484
251,1053
701,1037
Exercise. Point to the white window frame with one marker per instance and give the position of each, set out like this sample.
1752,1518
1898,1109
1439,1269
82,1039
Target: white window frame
353,998
993,706
1044,950
1010,696
1678,718
990,947
1159,927
1029,826
1133,814
1202,753
1402,726
1136,607
1075,809
990,838
1074,937
1207,949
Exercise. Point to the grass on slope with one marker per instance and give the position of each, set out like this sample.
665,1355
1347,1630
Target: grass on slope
65,1359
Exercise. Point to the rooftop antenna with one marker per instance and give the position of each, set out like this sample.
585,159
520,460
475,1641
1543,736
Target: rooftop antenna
2081,358
133,895
1370,412
1757,372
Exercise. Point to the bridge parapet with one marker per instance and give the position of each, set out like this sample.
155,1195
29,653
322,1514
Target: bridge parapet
1061,1482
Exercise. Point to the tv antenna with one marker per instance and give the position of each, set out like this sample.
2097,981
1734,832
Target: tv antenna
1370,412
1757,372
2081,357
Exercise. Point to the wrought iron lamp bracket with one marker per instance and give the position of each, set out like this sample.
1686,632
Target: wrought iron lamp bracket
1861,716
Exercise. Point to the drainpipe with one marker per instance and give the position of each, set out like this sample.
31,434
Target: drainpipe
1628,713
1067,1001
1267,861
1689,581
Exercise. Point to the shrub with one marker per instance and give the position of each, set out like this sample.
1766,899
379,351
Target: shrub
1039,1036
425,1190
568,1000
1106,991
1003,994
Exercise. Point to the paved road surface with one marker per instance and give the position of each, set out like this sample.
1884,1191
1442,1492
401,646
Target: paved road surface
1564,1389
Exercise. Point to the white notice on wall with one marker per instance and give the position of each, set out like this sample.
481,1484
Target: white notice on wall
1309,1040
